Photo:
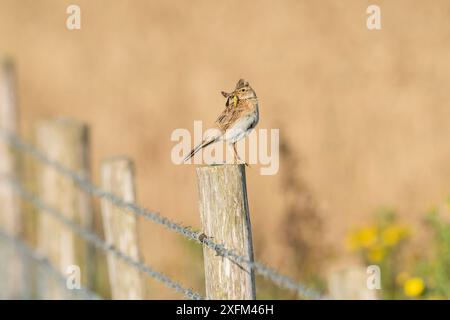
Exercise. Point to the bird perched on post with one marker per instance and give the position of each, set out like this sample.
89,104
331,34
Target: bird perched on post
240,117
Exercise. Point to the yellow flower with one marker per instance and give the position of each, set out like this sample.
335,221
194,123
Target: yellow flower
376,254
393,234
367,236
414,287
361,238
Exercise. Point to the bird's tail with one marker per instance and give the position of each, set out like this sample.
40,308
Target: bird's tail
204,144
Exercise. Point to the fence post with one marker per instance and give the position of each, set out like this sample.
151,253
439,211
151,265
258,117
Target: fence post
12,277
350,283
225,217
121,229
65,141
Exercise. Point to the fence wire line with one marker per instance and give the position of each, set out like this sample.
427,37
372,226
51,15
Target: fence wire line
29,252
92,238
188,232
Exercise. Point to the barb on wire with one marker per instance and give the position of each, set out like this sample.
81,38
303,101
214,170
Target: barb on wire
197,236
31,253
92,238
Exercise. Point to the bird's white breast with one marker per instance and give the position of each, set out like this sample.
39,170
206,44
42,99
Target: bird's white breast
242,127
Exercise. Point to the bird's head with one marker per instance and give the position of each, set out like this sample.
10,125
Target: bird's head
242,91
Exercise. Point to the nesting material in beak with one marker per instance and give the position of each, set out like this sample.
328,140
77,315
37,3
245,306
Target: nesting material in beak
229,96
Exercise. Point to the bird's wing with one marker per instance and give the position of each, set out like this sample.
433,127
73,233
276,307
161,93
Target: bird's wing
222,117
230,115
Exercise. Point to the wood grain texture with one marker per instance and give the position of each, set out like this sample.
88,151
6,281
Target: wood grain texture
225,217
65,141
121,229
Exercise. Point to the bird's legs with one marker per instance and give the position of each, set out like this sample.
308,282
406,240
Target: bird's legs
236,156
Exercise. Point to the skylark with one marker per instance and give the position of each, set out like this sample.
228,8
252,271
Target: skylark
240,117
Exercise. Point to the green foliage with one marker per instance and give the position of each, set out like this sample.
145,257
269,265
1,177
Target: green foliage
380,243
426,275
437,269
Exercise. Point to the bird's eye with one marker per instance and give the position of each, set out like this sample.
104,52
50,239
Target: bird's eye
242,90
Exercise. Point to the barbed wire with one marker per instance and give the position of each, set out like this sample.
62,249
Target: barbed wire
31,253
186,231
97,242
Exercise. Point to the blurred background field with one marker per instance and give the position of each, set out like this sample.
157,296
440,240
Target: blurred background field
363,118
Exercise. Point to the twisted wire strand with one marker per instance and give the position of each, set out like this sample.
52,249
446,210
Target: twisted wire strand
97,242
31,253
186,231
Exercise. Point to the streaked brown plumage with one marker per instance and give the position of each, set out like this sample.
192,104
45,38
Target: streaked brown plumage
231,114
236,121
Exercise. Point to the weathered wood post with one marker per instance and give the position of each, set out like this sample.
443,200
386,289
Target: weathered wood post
12,282
65,141
225,217
121,229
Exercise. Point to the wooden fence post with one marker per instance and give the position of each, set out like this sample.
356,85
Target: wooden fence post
12,279
65,141
121,229
350,283
225,217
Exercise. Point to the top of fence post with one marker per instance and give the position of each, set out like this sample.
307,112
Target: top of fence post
65,141
350,283
225,217
8,103
9,213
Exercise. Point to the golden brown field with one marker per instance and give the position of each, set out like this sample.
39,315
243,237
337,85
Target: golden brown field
363,115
